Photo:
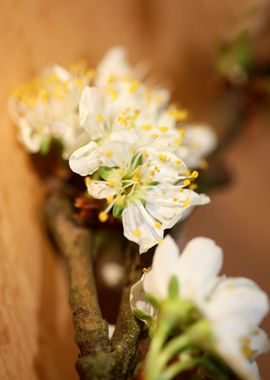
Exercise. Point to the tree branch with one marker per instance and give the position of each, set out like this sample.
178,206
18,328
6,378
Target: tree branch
99,358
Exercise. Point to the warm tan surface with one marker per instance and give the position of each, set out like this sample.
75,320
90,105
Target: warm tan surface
35,327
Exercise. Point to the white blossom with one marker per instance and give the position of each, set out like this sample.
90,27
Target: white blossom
47,107
146,189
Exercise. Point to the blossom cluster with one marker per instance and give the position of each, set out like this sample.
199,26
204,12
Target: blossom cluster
139,154
218,315
135,149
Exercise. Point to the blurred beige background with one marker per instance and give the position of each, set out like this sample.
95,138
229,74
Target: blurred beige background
180,38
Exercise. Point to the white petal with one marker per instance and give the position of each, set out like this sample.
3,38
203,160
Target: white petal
200,141
140,227
100,189
170,203
90,108
229,334
58,70
163,267
198,267
29,137
114,64
116,154
239,297
137,298
86,159
259,342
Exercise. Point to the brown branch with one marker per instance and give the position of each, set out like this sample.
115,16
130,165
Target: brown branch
99,357
91,330
127,331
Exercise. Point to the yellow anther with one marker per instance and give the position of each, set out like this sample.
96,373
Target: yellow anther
178,142
187,173
145,270
120,172
120,201
79,82
157,169
43,96
137,233
175,199
57,93
152,173
181,132
90,74
158,225
246,347
108,153
186,203
78,66
111,183
178,163
113,94
110,199
99,117
133,87
158,99
102,216
154,136
163,158
87,181
194,174
178,114
147,127
186,182
137,176
164,128
193,186
110,79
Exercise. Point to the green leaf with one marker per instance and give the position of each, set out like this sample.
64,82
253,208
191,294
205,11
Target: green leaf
173,289
105,172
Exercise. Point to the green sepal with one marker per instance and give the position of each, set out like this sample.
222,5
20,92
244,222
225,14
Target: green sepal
142,315
105,172
173,288
153,300
45,145
117,210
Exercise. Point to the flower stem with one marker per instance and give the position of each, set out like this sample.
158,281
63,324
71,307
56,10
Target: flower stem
158,340
174,347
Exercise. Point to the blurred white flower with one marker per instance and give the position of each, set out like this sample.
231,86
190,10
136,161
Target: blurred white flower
232,307
47,108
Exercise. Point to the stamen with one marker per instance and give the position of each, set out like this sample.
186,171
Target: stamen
102,216
87,181
133,87
158,225
186,203
108,153
186,182
113,94
164,129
